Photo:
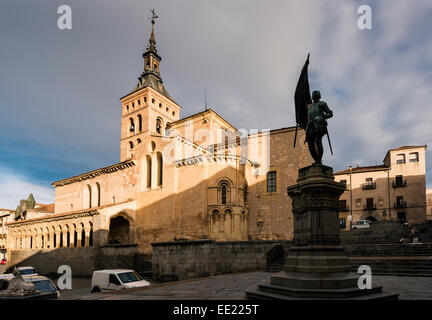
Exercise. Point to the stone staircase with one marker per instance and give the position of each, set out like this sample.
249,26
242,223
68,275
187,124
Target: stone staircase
379,248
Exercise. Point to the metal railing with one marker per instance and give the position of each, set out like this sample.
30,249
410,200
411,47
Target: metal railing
367,186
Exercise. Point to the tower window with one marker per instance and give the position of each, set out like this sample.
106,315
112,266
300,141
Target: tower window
131,145
153,101
132,125
139,102
160,105
145,99
133,105
166,109
173,113
271,181
139,123
159,126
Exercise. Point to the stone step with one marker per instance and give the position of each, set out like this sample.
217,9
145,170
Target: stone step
256,294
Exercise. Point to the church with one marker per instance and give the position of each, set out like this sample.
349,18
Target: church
196,177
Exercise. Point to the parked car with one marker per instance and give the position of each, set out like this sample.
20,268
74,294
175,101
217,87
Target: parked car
116,279
27,271
361,224
3,261
43,284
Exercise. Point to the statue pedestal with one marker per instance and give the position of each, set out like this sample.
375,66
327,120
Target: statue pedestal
316,266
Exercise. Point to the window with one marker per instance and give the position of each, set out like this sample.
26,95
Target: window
369,182
224,191
398,180
139,123
173,113
414,157
400,202
113,279
160,105
245,192
149,172
159,126
342,205
400,158
271,181
343,182
369,203
131,145
342,223
139,102
153,101
160,168
132,125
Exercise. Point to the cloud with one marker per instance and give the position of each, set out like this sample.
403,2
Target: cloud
60,90
14,188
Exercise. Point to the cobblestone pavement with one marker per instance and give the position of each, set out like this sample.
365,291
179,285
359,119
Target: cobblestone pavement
232,287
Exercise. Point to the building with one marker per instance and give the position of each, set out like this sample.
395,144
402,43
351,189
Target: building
395,190
6,216
197,177
429,204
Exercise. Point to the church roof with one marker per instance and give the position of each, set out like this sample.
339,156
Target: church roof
94,173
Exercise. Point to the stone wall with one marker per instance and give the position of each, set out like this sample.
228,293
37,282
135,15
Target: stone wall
83,261
180,260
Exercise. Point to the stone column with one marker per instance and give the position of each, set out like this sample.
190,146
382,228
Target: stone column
316,266
87,237
72,238
51,240
79,234
58,235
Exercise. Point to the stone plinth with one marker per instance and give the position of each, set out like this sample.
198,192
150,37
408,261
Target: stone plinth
316,266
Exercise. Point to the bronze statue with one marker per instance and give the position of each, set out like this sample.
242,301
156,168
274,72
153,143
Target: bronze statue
311,116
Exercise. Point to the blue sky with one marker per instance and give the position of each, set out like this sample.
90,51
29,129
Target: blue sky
60,90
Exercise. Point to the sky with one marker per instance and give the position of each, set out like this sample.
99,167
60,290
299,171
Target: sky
60,89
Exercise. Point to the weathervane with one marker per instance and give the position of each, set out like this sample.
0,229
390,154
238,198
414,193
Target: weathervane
154,16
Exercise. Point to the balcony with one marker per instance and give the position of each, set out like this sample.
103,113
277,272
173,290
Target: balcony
400,204
399,184
370,206
368,186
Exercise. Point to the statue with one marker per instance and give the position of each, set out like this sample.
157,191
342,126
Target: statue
311,116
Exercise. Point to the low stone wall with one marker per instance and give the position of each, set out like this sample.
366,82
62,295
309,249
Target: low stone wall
46,261
180,260
83,261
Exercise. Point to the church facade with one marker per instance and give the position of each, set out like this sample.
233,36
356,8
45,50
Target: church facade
196,177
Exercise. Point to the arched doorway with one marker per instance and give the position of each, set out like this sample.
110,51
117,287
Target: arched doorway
119,231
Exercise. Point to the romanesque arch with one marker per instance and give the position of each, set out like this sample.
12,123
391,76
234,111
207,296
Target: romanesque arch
120,229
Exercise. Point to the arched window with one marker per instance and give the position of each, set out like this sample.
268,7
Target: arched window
132,125
131,145
224,192
139,123
98,190
89,196
160,168
245,192
159,125
149,171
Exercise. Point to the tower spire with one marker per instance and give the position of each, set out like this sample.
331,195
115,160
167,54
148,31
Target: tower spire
152,40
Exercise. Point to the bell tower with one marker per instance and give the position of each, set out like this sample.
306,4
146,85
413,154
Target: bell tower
149,108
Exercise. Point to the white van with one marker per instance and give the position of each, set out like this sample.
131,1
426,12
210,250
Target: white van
116,279
361,224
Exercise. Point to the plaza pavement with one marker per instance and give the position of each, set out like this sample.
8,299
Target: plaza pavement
232,287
